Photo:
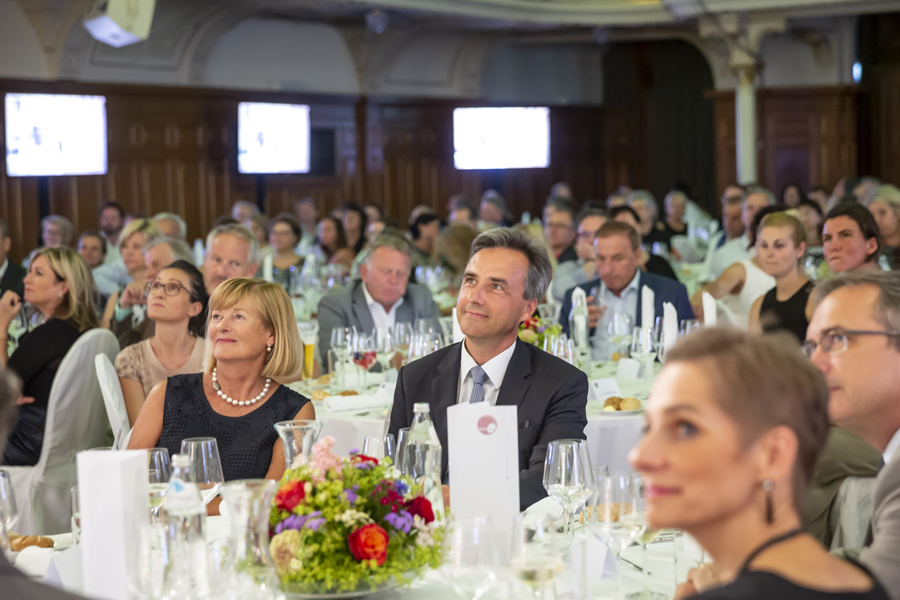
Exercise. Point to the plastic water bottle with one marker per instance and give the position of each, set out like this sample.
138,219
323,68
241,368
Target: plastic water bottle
423,458
184,518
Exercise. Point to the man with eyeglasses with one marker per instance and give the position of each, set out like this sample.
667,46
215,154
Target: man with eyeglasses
854,339
559,228
575,272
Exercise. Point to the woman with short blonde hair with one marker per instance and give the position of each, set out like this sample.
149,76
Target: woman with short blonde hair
252,342
59,288
112,279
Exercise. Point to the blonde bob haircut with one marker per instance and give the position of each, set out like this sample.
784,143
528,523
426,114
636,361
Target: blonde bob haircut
77,305
148,227
277,313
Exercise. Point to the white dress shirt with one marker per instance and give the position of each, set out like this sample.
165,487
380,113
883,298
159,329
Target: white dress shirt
4,267
495,369
892,447
626,303
732,251
384,319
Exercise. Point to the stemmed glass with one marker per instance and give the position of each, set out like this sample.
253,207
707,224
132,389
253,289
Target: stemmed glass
206,468
160,472
423,344
620,330
401,338
615,520
568,478
379,447
341,344
384,348
402,440
643,348
533,559
470,557
364,356
688,326
9,512
642,534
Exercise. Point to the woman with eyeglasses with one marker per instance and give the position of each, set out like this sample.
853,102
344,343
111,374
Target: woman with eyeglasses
177,303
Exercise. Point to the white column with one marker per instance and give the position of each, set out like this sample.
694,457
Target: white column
745,115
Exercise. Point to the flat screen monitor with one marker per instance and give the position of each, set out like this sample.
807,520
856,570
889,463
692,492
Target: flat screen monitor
54,134
501,138
273,138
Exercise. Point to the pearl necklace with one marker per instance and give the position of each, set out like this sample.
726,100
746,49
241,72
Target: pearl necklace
230,400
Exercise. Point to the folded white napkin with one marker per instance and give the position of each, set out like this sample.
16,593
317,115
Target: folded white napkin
546,508
33,561
351,403
648,308
670,325
709,310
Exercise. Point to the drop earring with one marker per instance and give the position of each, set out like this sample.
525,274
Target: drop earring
268,348
770,512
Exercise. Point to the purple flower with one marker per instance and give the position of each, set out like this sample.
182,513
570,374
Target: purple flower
365,465
314,524
401,521
352,494
292,522
542,328
354,451
401,487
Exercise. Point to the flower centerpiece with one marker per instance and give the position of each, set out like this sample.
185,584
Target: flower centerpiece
535,329
347,524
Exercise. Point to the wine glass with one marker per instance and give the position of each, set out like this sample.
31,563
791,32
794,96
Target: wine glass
378,446
8,510
470,557
644,350
364,356
384,348
402,440
18,325
401,338
567,477
160,472
615,519
642,534
341,343
620,330
206,468
533,558
688,326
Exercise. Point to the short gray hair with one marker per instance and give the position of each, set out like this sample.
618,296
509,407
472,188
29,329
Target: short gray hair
388,240
240,232
180,249
65,227
167,216
646,197
758,189
887,307
494,197
540,271
243,203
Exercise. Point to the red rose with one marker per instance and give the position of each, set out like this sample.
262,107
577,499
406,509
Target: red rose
290,495
420,507
369,542
358,458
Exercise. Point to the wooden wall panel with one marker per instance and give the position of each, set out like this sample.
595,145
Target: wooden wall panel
886,121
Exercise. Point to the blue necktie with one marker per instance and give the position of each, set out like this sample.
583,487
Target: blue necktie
478,377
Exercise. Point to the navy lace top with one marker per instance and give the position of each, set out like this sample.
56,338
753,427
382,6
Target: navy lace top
245,443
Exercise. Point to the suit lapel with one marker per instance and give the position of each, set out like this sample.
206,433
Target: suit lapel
515,385
638,313
444,394
361,310
405,312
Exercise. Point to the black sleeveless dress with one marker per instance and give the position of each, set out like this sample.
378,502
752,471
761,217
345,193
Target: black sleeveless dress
245,443
789,315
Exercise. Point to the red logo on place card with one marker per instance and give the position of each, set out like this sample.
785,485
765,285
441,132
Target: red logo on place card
487,425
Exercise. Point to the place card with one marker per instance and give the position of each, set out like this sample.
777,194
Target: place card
115,504
598,554
628,369
601,389
480,487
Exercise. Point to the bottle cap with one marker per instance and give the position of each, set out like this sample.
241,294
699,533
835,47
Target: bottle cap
421,407
181,460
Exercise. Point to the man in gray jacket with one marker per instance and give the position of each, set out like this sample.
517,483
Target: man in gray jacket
854,339
380,298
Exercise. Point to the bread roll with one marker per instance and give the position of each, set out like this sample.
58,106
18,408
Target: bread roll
348,393
630,404
613,401
319,395
23,541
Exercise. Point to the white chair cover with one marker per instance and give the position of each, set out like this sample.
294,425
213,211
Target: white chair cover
113,398
852,512
76,421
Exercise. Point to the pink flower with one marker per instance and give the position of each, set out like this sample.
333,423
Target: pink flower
323,459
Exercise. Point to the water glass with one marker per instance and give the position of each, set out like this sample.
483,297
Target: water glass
402,440
568,478
571,583
8,510
644,350
379,447
342,342
620,330
470,561
160,472
549,311
615,521
76,516
364,355
384,348
206,467
401,339
533,557
688,326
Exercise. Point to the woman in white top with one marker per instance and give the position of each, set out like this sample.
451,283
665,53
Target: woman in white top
740,284
177,301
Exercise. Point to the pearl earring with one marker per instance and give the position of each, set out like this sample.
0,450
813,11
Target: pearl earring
268,348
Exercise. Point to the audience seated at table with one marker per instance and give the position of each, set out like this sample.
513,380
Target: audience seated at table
811,215
332,243
464,214
307,213
11,274
854,339
177,305
621,281
231,251
243,210
380,298
252,343
113,278
355,220
59,288
284,232
258,225
171,225
884,204
423,233
452,251
651,230
651,263
788,306
735,423
492,211
56,231
92,248
506,277
737,249
850,238
559,230
675,204
112,220
584,268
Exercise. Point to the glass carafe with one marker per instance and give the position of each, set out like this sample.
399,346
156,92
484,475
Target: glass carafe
298,438
250,572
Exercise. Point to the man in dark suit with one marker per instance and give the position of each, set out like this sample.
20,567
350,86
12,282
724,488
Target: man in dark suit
621,282
381,297
11,274
506,276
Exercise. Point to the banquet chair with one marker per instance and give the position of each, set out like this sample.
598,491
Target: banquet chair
76,421
113,398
